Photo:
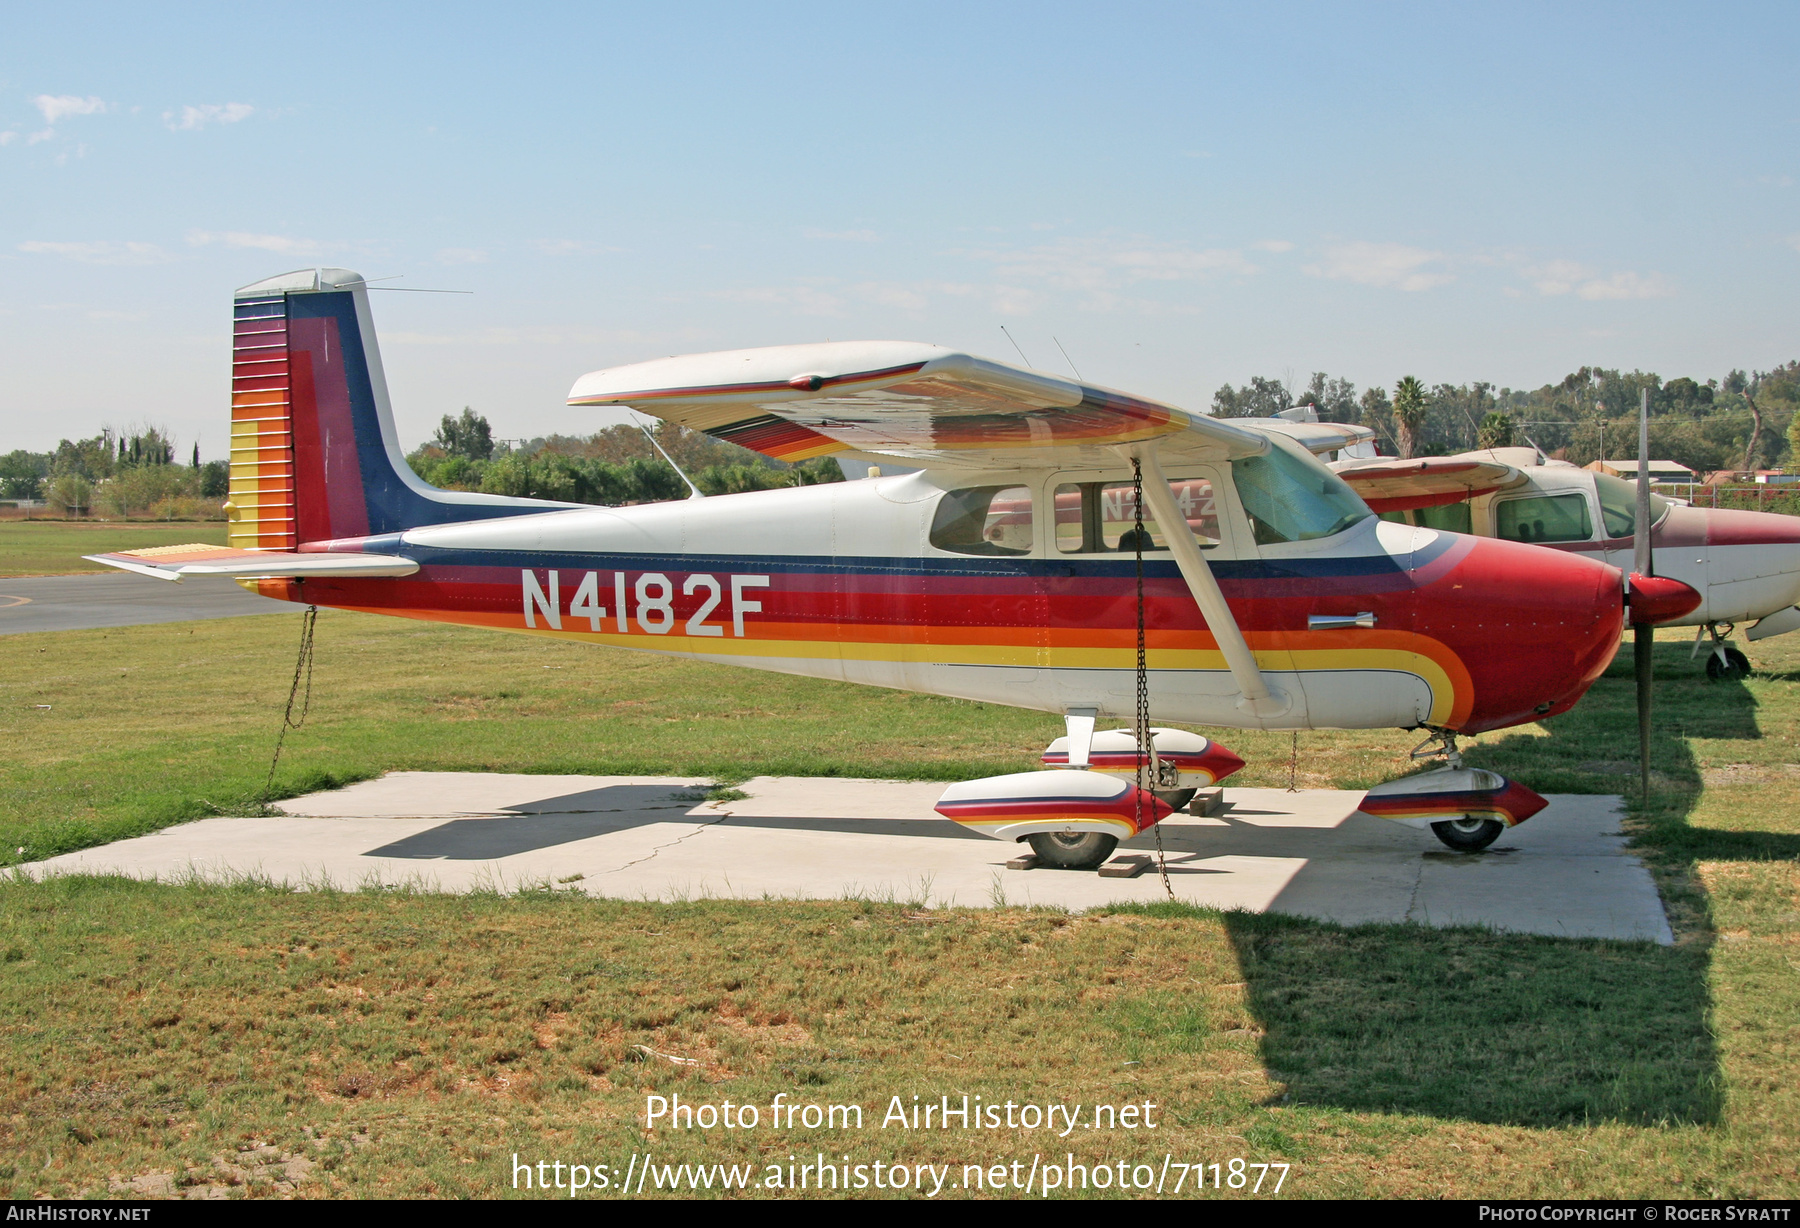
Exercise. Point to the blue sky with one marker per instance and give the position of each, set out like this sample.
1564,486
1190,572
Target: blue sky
1180,195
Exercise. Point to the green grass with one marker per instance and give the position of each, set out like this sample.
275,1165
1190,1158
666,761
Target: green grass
55,547
411,1044
117,732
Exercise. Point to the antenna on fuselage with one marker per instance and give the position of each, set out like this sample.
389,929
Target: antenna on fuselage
677,468
1016,346
1067,359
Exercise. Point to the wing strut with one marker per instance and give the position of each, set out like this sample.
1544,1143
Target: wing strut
1259,697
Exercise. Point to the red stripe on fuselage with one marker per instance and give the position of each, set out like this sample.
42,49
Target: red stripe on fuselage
1519,631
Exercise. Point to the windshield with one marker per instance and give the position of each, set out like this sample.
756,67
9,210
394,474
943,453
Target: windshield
1618,505
1291,497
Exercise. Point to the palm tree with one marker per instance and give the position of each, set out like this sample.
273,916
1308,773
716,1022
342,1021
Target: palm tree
1409,413
1495,431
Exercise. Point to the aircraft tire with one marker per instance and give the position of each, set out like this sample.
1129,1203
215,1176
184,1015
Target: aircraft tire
1072,850
1735,665
1468,835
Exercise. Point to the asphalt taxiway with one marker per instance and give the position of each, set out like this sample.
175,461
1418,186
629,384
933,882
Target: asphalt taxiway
75,603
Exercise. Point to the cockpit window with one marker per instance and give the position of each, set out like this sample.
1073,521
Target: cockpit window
1544,518
1290,497
1618,505
984,520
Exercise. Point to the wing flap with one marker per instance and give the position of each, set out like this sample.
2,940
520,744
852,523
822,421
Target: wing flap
921,403
200,559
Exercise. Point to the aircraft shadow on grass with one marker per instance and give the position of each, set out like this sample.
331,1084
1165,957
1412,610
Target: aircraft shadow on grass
1519,1029
1462,1023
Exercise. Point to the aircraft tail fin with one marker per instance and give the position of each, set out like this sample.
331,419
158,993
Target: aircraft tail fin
314,455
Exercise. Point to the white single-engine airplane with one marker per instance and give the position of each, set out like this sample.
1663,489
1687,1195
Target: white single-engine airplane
1745,565
1274,599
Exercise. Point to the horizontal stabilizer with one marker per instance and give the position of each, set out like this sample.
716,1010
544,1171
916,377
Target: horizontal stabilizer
179,562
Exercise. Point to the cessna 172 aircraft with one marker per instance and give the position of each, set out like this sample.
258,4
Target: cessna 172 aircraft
1745,565
1274,600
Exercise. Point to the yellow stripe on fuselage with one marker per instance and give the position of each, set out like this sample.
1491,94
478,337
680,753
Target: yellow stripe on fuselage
1404,652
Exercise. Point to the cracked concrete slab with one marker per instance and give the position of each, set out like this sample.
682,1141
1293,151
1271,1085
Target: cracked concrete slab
1565,873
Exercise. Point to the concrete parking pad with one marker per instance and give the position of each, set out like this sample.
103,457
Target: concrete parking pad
1565,873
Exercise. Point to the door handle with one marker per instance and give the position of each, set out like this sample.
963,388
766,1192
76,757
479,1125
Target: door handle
1339,622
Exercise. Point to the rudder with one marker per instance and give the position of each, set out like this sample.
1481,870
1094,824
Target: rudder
314,455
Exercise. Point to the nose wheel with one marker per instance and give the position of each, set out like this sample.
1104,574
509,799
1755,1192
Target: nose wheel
1468,835
1724,660
1727,663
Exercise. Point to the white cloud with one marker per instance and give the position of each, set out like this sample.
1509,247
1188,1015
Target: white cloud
893,294
1793,241
1103,265
572,247
58,106
461,255
7,138
1626,285
842,236
281,244
193,118
1392,266
100,252
1558,277
1273,245
802,300
586,337
916,298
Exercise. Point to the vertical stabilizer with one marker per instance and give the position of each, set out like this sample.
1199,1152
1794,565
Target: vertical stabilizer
314,456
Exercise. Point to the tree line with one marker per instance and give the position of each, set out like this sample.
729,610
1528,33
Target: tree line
121,473
612,467
1745,421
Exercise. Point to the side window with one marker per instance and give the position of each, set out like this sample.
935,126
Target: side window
1450,517
1546,518
984,520
1095,517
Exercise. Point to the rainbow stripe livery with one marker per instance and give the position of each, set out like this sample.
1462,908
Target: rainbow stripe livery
1002,571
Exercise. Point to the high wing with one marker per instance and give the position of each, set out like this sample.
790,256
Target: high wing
1315,437
1433,481
179,562
894,399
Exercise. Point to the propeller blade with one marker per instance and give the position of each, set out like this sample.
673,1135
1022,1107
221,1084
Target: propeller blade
1643,644
1643,562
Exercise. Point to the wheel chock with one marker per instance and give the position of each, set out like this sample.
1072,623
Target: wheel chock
1207,803
1125,867
1027,861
